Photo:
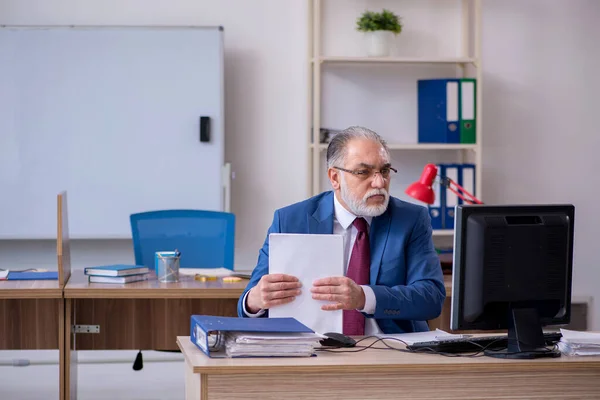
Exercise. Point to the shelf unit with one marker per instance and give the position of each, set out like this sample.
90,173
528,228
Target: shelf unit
465,64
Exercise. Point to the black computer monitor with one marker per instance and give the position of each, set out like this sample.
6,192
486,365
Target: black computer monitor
512,270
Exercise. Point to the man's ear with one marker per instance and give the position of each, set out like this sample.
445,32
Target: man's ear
334,178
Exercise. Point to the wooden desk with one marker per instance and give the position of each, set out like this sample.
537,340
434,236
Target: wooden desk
32,318
32,313
146,315
386,374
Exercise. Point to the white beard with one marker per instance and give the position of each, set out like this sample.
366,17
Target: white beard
359,207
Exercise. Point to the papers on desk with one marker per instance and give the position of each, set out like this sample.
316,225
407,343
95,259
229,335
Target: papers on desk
216,272
255,344
418,337
308,257
577,343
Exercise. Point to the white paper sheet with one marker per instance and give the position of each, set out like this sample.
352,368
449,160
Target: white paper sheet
580,337
307,257
579,343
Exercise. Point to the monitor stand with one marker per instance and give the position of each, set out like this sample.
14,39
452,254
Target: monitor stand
525,337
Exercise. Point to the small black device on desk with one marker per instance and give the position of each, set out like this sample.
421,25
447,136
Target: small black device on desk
334,339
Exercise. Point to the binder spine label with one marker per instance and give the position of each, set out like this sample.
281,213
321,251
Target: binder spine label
201,339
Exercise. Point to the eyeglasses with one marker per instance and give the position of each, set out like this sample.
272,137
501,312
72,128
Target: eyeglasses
364,173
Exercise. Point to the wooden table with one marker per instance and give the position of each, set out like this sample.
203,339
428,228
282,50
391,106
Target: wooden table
32,312
387,374
32,318
31,315
146,315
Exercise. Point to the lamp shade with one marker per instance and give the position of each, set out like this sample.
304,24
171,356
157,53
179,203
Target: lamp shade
422,189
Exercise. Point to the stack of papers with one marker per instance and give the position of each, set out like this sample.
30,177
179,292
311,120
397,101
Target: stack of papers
577,343
418,337
273,344
216,272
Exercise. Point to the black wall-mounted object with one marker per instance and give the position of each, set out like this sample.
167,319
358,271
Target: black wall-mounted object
205,129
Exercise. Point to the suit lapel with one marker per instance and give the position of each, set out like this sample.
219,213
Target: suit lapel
380,228
321,221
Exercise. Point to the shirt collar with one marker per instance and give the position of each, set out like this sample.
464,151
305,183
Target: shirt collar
343,216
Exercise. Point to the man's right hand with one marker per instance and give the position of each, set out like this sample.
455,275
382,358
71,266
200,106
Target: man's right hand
272,290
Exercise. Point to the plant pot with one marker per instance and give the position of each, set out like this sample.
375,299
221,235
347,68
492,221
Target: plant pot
379,43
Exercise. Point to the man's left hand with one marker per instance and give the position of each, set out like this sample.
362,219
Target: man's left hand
343,292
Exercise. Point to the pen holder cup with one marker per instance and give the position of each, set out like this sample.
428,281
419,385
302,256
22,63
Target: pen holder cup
167,266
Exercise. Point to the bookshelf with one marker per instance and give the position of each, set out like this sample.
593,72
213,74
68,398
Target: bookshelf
440,39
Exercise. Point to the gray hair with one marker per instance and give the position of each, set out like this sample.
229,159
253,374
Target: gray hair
336,151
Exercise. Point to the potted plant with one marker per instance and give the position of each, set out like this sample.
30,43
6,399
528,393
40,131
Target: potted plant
380,29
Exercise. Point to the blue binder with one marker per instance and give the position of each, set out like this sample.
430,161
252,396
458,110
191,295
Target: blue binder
467,179
438,110
449,199
435,209
205,329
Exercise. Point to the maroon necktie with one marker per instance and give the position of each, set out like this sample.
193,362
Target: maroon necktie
358,271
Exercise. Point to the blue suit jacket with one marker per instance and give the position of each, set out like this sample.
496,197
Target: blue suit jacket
406,275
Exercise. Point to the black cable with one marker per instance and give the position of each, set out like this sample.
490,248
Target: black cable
424,350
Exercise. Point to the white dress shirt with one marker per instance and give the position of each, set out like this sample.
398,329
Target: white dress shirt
342,225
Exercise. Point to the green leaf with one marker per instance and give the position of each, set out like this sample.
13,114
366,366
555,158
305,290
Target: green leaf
384,21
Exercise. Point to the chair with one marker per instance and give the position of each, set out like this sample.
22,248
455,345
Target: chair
204,238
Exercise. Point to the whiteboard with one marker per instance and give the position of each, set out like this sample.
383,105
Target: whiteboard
112,116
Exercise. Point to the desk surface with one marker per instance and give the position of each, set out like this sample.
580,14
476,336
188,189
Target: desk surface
370,360
387,374
42,289
79,287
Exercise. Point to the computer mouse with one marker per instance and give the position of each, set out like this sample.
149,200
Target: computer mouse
334,339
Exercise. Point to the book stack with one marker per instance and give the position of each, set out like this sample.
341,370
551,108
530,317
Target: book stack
118,273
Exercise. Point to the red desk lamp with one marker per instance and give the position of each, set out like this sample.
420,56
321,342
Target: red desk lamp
422,189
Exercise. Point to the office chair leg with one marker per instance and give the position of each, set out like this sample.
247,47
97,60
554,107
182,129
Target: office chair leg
138,364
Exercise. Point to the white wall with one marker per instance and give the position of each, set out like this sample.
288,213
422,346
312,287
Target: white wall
540,61
266,124
541,137
540,58
266,91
